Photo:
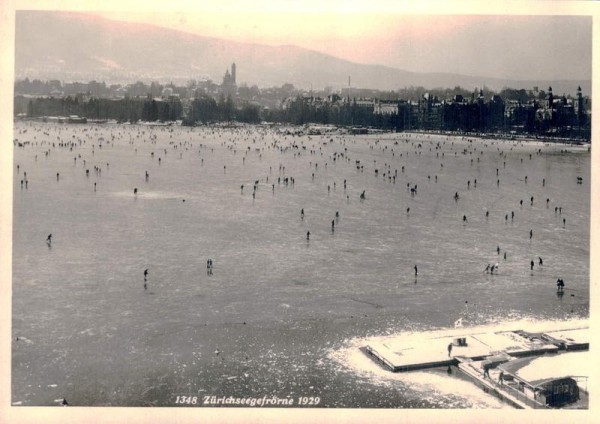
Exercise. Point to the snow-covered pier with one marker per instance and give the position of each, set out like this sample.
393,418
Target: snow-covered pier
400,355
495,361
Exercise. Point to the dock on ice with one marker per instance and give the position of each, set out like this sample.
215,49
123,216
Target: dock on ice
415,353
493,360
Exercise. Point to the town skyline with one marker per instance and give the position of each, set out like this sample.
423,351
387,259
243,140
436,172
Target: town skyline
534,112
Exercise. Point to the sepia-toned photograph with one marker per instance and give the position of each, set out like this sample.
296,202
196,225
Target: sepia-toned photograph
237,209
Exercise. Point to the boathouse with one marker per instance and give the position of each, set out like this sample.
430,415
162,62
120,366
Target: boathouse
550,392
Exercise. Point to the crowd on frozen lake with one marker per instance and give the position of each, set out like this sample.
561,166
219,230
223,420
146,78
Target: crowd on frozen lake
155,261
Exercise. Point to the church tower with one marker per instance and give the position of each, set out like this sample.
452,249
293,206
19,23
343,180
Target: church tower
580,116
229,86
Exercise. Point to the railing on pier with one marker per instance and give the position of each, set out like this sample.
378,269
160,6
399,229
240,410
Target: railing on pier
581,382
522,397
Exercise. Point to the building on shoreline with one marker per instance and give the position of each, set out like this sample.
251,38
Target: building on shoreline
521,112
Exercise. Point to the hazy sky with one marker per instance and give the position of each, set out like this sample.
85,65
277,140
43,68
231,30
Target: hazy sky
506,46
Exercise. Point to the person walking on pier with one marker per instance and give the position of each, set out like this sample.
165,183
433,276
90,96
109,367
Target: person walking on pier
486,371
449,349
501,378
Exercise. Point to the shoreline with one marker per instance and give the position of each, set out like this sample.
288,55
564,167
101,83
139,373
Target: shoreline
323,129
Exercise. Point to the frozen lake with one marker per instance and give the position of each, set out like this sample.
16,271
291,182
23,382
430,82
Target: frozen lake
277,310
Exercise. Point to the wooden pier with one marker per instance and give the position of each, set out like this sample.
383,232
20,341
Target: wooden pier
483,357
400,355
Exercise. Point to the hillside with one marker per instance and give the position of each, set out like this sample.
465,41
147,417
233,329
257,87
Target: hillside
75,46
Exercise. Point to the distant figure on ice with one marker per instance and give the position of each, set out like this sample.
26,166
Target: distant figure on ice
532,263
307,235
416,271
302,214
332,225
464,218
541,262
146,274
49,239
135,190
362,195
560,285
530,234
487,269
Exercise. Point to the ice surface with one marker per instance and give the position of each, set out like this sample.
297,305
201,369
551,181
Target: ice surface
275,304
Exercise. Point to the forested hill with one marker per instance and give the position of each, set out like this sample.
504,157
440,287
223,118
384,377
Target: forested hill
81,47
